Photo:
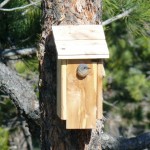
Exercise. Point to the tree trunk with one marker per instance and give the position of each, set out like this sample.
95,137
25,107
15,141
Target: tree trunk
54,134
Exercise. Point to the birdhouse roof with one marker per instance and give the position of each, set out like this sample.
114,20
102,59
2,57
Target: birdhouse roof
80,42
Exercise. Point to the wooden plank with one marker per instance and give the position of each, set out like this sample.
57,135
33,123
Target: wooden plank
100,74
61,89
82,47
81,42
81,96
82,56
78,32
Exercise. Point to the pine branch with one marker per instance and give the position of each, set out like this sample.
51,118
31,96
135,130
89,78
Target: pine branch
31,2
110,104
14,52
2,4
27,135
21,7
135,143
124,14
20,92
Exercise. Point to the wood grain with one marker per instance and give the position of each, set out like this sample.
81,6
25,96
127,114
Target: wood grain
83,56
82,47
81,96
78,32
80,42
100,74
61,89
76,48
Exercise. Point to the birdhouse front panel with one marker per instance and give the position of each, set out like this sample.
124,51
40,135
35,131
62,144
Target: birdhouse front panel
79,74
79,99
81,95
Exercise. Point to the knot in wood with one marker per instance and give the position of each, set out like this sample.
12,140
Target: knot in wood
83,70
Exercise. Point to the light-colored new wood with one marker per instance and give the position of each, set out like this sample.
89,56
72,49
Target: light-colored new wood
82,56
79,47
80,42
100,75
78,32
61,89
79,100
94,48
81,96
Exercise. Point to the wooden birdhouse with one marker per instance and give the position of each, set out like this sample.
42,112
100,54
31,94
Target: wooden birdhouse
80,49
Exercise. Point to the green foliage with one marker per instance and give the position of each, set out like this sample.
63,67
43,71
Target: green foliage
27,66
128,65
7,111
137,85
127,70
137,21
114,7
20,27
28,69
3,139
20,67
130,114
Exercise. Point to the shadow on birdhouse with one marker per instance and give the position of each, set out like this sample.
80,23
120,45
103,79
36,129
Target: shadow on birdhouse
80,50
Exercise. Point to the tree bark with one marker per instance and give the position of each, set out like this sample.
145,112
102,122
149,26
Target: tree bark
20,93
108,142
53,130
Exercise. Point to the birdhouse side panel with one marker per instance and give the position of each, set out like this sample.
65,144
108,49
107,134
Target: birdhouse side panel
100,75
61,88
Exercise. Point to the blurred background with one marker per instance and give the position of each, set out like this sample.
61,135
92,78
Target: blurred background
126,86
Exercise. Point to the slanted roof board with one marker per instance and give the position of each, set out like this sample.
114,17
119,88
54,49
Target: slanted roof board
82,47
83,56
80,42
78,32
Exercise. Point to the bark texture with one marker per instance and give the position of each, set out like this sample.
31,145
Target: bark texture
17,52
108,142
20,93
54,135
53,132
